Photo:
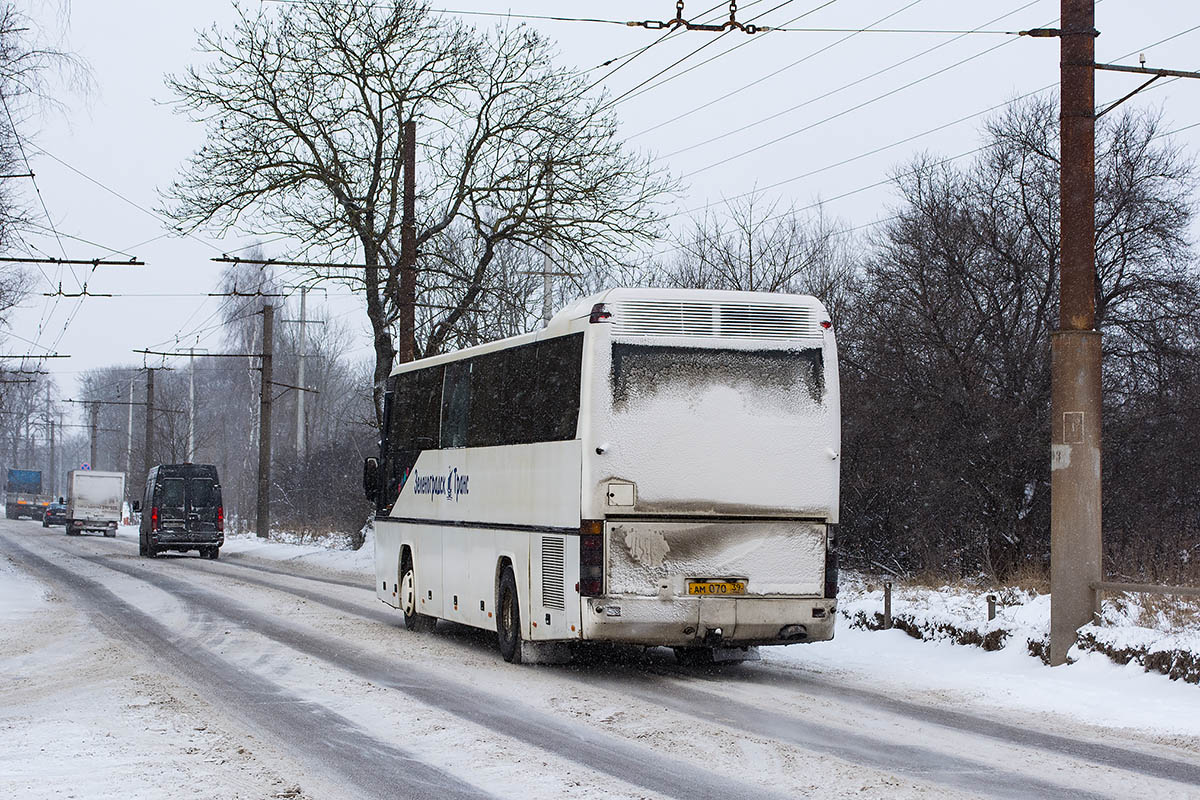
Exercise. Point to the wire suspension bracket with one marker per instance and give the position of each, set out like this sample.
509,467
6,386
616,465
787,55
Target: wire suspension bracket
679,22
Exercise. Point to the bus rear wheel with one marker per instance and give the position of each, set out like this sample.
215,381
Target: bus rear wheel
508,617
413,620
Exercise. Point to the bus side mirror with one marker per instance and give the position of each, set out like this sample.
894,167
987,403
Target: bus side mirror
371,478
136,506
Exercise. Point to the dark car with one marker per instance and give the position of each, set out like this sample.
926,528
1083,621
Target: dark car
181,510
55,514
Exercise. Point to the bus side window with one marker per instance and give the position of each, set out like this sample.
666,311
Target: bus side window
456,402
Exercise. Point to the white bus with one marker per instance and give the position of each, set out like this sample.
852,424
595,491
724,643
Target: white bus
655,467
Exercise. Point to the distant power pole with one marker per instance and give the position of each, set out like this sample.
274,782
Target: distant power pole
129,436
94,423
300,429
191,447
53,467
148,455
263,522
1075,400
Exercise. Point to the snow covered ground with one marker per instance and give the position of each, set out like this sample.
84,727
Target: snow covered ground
111,661
1094,689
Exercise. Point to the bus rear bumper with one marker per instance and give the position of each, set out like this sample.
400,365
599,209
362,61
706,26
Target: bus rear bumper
715,621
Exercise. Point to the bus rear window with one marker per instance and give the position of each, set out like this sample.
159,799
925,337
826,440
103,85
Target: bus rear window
643,370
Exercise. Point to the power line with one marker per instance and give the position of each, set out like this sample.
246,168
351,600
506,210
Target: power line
831,92
157,217
850,110
676,63
734,49
932,130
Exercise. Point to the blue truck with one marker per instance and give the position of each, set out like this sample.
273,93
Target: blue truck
23,494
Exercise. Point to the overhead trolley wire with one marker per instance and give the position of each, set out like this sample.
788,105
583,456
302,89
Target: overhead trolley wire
631,56
727,52
827,94
767,77
676,63
844,112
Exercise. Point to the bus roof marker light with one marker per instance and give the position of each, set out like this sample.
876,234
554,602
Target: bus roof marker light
600,313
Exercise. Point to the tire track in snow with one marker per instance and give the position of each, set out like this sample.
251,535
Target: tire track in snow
694,702
375,768
637,765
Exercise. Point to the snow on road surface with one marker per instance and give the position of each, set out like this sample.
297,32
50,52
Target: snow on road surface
326,680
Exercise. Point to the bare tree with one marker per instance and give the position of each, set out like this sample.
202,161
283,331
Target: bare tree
306,107
755,248
947,357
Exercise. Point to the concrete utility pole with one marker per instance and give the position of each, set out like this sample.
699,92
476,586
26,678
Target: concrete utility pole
50,423
148,454
191,447
93,424
408,249
300,429
1075,403
263,522
129,438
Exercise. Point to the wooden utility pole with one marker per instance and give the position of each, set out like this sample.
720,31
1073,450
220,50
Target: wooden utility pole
405,350
1075,402
129,439
263,521
191,444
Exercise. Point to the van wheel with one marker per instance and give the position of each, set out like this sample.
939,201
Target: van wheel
413,620
212,553
141,545
111,534
508,617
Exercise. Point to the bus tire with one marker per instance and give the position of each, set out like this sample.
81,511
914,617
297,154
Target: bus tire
508,617
693,656
413,620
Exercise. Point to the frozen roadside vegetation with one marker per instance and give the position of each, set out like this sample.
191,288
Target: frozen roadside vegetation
1157,634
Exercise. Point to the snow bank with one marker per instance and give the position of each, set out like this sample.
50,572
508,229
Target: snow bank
20,595
331,553
1168,644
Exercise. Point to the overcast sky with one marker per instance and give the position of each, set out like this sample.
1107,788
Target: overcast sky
127,141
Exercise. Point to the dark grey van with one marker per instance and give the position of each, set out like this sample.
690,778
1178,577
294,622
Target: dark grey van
182,510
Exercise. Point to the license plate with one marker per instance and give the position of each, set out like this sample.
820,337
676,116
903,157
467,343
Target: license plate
716,587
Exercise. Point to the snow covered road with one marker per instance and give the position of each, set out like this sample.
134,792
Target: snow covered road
323,689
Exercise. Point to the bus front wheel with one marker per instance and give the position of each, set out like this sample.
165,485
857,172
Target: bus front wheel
413,620
508,617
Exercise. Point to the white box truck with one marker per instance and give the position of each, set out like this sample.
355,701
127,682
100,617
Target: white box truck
94,501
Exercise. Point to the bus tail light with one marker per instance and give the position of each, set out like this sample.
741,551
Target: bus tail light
591,558
221,519
600,313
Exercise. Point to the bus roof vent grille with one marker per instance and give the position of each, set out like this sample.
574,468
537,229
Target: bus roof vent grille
771,321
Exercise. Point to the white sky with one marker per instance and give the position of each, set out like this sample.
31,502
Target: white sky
123,136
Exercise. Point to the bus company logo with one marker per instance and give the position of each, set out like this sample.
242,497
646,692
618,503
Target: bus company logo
452,485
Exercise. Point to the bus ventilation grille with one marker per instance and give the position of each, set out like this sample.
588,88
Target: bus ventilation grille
552,573
728,320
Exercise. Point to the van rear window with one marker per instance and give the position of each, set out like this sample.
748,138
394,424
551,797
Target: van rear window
172,492
202,494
